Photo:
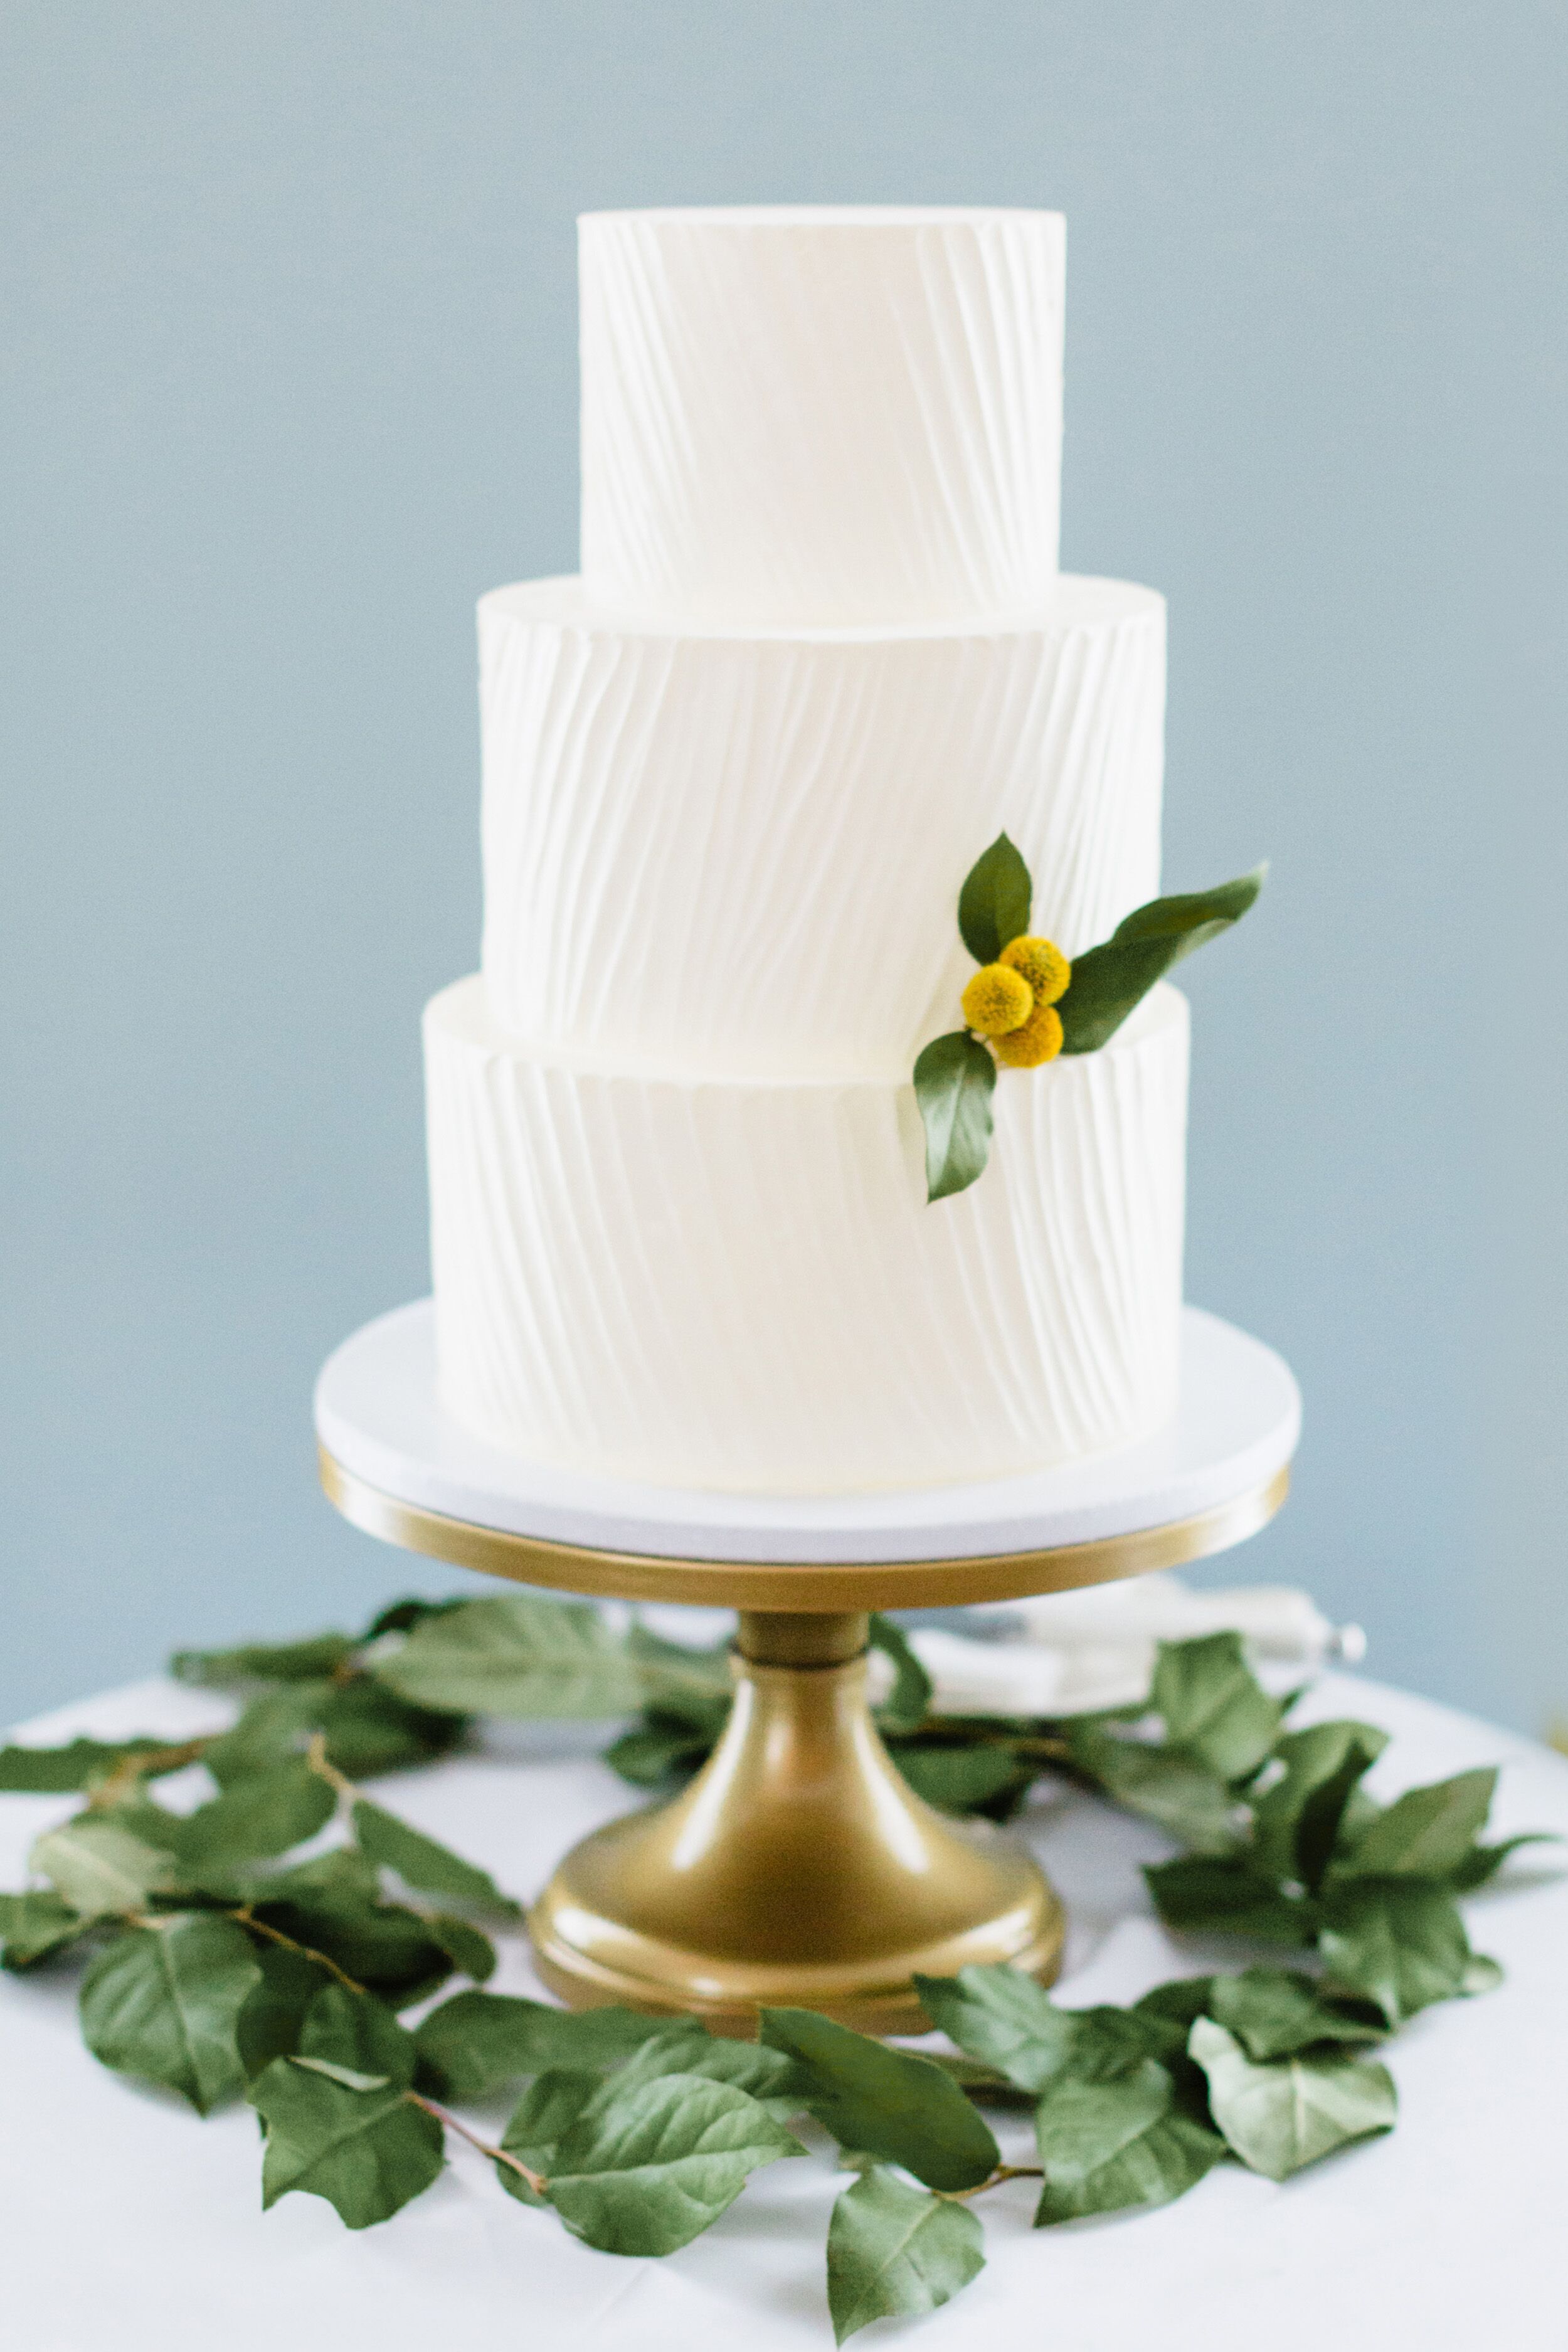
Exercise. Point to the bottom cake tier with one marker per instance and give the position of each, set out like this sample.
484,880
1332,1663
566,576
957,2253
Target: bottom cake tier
740,1285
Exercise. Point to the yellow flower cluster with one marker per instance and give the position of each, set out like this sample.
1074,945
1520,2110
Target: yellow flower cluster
1012,1002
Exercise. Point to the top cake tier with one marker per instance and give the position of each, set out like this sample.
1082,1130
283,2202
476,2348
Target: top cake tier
821,416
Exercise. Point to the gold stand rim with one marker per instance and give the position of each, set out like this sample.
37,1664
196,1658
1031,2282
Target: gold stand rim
799,1586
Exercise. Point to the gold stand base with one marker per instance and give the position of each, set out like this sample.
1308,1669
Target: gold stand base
798,1869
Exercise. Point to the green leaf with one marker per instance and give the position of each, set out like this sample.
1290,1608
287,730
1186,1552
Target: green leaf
1109,2145
163,2002
1108,981
1398,1942
330,1904
994,904
1481,1864
1228,1896
356,2031
99,1867
477,2042
990,1777
268,1733
657,1750
1003,2017
908,1704
1428,1833
273,2018
366,2152
1291,2111
954,1079
262,1815
1274,2013
986,2085
263,1661
34,1926
465,1946
1299,1819
894,2251
887,2102
1214,1706
515,1656
685,2047
424,1864
547,2110
53,1771
369,1730
649,2167
1162,1784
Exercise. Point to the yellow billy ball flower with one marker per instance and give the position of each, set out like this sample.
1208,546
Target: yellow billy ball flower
1037,1040
997,1000
1042,964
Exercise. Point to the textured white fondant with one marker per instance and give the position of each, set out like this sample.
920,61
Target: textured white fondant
803,414
743,852
741,1285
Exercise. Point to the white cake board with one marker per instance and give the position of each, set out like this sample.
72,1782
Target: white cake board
379,1420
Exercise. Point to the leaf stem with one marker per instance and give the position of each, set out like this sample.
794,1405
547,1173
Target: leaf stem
316,1758
1003,2172
486,2148
142,1763
247,1918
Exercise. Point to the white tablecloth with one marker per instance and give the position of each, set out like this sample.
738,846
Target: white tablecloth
130,2226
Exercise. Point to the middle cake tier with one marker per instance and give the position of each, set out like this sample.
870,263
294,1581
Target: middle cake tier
739,1283
740,853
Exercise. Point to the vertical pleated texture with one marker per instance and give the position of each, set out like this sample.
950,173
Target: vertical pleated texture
742,1286
743,852
821,417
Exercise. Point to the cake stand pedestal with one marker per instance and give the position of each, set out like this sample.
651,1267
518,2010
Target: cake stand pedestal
798,1868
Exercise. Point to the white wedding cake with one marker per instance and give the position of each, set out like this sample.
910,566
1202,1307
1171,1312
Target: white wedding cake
819,655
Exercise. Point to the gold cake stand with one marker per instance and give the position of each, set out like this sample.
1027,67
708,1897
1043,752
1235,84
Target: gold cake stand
798,1867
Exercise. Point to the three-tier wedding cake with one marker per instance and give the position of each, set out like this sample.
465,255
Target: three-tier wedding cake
819,656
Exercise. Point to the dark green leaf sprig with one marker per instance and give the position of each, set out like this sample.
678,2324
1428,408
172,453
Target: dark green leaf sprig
955,1075
223,1962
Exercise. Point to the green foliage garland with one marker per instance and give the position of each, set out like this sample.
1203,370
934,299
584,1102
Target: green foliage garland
222,1963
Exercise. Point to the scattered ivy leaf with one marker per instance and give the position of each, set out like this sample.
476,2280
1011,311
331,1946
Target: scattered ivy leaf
1108,2145
661,1748
954,1079
1481,1864
1289,2111
356,2031
273,2017
1426,1833
989,1777
269,1731
648,2168
1398,1942
423,1864
261,1815
908,1704
475,2042
468,1949
1003,2017
1298,1819
1162,1784
1274,2013
516,1654
894,2251
331,1905
547,2110
369,1730
34,1926
366,2152
99,1867
163,2002
887,2102
994,903
263,1661
1228,1894
1213,1704
54,1771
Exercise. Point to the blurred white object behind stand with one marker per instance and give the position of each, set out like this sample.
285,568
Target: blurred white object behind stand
1075,1653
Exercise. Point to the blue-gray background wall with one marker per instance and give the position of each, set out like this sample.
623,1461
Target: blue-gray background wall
290,377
